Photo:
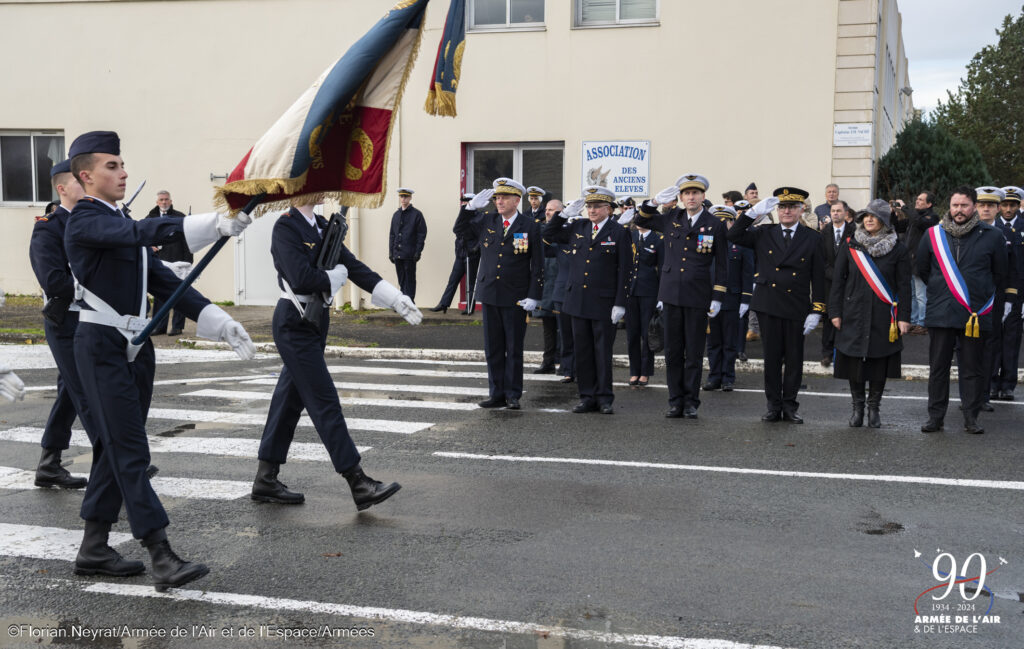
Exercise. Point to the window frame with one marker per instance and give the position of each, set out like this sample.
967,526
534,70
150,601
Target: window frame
31,134
577,19
517,149
509,26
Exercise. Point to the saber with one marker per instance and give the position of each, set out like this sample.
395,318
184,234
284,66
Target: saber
192,277
124,206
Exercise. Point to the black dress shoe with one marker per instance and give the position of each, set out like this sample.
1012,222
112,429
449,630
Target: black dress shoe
440,307
493,402
512,404
1005,395
606,409
634,382
742,356
690,412
932,426
642,384
567,379
771,416
585,406
972,426
727,387
152,470
674,412
545,369
792,418
987,407
174,332
710,387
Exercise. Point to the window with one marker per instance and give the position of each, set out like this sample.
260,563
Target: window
606,13
25,161
532,163
501,14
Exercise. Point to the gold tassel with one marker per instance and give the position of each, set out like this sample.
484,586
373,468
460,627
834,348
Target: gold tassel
971,330
893,332
708,329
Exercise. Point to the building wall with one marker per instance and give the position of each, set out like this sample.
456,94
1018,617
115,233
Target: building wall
737,90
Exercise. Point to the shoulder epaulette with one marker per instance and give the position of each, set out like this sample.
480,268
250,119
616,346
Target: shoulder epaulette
44,219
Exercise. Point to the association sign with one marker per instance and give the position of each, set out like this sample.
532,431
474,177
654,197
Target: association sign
623,167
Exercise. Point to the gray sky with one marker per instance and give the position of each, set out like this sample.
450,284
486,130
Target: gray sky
941,36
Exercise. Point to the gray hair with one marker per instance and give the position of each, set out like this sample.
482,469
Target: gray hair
164,192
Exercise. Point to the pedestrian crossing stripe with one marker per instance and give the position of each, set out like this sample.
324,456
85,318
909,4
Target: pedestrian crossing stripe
35,542
347,401
354,423
390,387
14,478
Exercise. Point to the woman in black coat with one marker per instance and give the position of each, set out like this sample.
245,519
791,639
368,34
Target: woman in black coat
868,328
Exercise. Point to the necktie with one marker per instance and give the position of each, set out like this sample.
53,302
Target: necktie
506,227
594,235
787,236
839,237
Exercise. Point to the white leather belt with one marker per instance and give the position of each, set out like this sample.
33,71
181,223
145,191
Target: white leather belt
300,298
131,323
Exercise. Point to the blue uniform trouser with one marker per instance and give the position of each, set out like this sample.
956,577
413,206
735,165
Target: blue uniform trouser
463,267
1004,375
723,347
117,396
593,340
504,332
304,383
406,271
70,398
685,335
639,311
567,350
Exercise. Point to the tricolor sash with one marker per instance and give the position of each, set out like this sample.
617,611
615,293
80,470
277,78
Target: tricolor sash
955,281
869,271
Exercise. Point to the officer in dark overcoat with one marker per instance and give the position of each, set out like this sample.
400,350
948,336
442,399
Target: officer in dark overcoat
467,259
405,242
642,300
1004,377
789,293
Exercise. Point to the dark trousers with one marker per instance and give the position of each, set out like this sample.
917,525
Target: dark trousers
1004,375
828,338
685,335
304,383
177,318
783,345
993,352
971,366
593,340
406,270
460,269
567,352
504,332
70,398
744,325
117,395
639,311
723,347
550,340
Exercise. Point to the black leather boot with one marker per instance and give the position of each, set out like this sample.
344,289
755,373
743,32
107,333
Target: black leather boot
875,389
95,557
169,570
366,491
50,473
971,424
266,488
857,392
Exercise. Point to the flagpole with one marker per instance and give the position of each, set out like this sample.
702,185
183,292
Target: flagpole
175,297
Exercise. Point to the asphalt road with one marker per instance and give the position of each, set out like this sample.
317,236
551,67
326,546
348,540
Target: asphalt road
536,528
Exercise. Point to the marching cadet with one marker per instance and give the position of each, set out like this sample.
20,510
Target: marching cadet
595,291
509,284
642,298
695,258
405,243
789,294
1004,378
115,268
50,265
535,196
305,382
724,336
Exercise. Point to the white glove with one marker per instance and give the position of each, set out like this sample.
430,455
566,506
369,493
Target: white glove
716,306
11,387
181,269
811,322
667,195
573,209
660,305
386,295
1006,310
1021,310
337,275
762,209
618,313
743,309
627,216
480,200
529,304
214,323
3,297
203,229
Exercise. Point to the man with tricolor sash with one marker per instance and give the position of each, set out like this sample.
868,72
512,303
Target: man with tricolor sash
961,261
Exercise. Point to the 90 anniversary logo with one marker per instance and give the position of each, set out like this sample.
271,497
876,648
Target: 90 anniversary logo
952,605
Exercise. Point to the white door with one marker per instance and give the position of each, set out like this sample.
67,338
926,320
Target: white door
254,268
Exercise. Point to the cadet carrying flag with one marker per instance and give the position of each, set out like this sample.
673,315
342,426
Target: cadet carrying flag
448,65
333,141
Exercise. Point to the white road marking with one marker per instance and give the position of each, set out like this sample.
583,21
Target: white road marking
389,387
423,361
348,401
948,482
46,542
354,423
230,446
405,371
183,381
19,479
38,357
423,618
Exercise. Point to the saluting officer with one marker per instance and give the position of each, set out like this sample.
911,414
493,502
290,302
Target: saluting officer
724,337
111,258
467,258
535,196
789,294
305,382
405,243
692,287
642,297
1004,378
595,292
